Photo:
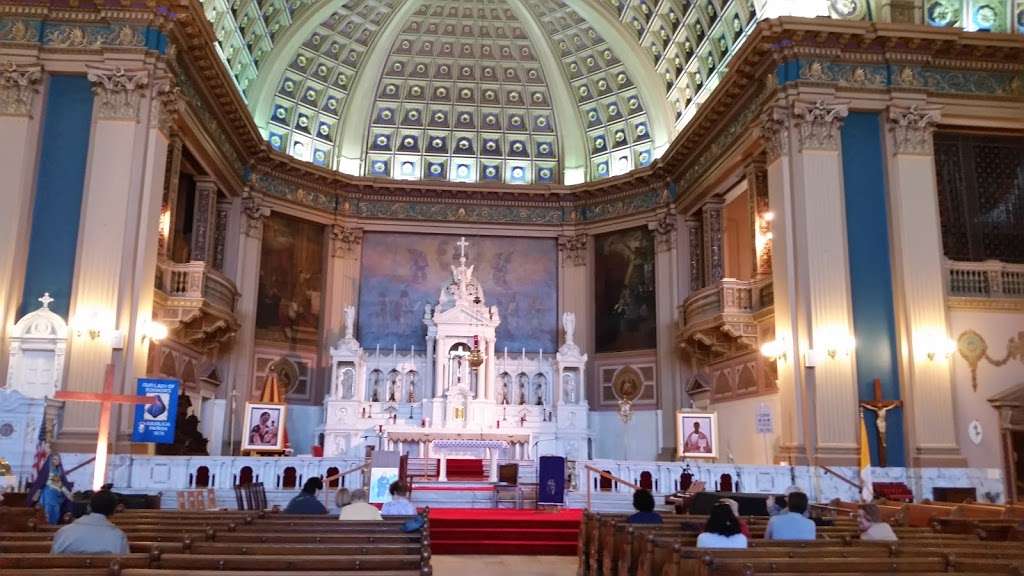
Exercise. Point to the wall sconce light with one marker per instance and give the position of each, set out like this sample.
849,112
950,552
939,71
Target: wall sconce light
768,216
774,350
939,346
837,343
89,324
154,331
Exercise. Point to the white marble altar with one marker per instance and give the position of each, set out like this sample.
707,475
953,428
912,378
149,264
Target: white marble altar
20,418
461,381
35,360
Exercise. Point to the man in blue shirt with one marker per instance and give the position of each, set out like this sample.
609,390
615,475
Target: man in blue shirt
306,502
643,502
92,533
791,524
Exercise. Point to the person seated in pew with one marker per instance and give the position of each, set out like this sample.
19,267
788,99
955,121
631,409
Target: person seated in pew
92,533
399,504
722,529
306,502
342,498
735,507
791,524
643,503
869,520
359,508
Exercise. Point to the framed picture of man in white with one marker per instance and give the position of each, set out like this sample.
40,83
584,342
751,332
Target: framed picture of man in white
264,427
696,434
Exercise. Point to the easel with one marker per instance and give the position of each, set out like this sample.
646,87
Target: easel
106,399
271,395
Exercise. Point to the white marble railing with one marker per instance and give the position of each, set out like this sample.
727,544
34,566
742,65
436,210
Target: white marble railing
729,296
988,279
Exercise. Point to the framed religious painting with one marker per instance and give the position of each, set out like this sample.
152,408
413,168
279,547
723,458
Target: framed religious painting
264,427
696,434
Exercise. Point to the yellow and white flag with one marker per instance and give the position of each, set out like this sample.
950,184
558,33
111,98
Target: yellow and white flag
867,493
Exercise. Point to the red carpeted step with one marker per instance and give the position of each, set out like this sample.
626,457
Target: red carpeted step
466,469
519,532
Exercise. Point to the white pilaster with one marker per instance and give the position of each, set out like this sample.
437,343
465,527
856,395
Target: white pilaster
20,124
666,296
918,287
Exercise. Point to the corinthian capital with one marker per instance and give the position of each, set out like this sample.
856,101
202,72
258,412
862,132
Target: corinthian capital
912,129
664,229
574,248
165,105
345,241
775,132
18,88
819,124
118,91
253,213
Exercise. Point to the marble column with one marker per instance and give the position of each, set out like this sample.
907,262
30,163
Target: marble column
575,293
20,124
666,297
813,310
712,232
117,239
918,285
245,231
492,368
342,286
204,220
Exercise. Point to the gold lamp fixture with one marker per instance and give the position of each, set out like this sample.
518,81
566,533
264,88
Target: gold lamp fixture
476,359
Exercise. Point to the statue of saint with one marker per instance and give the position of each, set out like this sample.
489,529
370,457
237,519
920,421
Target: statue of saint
346,384
523,379
569,325
569,389
540,394
350,322
393,388
412,387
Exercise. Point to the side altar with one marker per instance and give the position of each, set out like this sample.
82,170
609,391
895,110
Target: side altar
459,383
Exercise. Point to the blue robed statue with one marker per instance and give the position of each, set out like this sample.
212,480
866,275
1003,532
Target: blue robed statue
52,490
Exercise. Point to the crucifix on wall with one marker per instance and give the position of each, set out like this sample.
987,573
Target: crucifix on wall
881,409
106,399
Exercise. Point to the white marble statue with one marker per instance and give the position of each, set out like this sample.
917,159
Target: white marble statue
569,325
348,384
569,388
350,322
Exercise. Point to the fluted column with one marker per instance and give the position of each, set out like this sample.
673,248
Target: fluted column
243,266
118,237
666,296
712,232
20,124
342,286
920,303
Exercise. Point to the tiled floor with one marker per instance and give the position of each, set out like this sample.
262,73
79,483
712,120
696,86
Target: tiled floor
504,565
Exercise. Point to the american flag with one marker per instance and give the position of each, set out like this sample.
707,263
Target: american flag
42,448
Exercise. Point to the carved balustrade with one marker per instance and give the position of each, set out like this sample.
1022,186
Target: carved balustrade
196,302
988,279
725,319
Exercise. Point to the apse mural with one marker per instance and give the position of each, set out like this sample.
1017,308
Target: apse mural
624,286
291,281
402,273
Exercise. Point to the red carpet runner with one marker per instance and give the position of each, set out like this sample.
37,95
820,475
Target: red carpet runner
518,532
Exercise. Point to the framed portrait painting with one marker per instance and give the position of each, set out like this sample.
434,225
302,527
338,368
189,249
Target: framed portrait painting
696,434
264,426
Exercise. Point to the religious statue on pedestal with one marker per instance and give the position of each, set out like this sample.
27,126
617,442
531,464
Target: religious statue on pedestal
52,489
569,388
350,321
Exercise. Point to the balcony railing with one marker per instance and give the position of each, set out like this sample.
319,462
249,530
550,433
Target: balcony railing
197,303
197,281
722,320
990,279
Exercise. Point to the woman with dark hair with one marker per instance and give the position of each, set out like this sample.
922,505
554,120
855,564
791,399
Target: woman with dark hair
643,502
52,489
722,529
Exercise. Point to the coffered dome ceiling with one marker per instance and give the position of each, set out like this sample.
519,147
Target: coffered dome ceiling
494,91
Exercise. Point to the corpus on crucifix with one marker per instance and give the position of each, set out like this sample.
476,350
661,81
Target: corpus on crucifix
106,400
881,409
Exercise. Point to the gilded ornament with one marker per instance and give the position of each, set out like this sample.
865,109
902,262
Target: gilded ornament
973,349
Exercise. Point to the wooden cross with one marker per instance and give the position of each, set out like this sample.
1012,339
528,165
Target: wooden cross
881,409
106,399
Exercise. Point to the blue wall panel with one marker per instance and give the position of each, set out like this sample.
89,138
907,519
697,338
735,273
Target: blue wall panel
67,120
867,226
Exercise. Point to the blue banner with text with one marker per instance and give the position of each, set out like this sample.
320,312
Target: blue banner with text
155,422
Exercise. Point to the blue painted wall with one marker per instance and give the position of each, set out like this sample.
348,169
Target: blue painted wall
67,121
867,227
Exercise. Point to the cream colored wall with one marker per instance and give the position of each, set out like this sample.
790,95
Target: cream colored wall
737,430
739,239
996,328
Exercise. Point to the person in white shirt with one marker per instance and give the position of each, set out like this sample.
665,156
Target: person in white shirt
399,504
869,520
359,509
92,533
722,529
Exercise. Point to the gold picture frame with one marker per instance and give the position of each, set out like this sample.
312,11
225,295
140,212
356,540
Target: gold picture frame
264,427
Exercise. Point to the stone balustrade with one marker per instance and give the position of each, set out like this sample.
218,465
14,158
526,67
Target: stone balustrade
988,279
196,302
722,320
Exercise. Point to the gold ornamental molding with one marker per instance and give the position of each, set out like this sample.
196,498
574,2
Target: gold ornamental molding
973,349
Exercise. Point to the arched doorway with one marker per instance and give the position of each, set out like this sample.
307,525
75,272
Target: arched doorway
1010,406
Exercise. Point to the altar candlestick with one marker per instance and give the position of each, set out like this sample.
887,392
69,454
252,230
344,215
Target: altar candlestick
540,356
394,350
378,350
524,353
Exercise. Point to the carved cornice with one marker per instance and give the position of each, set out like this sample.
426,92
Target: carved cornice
118,91
664,229
18,88
818,124
345,241
166,105
573,249
912,129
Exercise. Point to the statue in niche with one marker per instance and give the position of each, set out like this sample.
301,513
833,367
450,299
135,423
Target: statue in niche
569,389
347,384
523,381
393,388
375,387
505,381
540,394
412,387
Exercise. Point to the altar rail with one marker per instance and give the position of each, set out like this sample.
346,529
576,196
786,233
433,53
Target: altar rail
988,279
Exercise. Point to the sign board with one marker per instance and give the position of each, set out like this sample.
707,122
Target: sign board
765,421
155,422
